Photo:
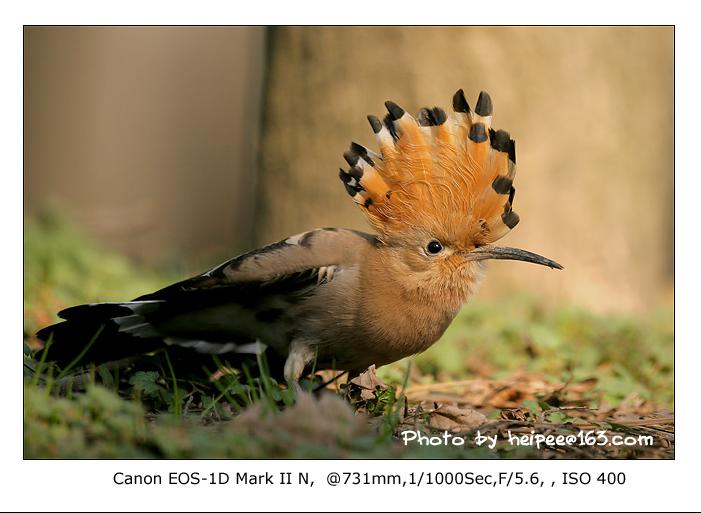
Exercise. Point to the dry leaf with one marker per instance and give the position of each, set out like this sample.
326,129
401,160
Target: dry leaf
452,418
367,383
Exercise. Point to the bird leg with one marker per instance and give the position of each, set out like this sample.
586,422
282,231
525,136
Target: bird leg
299,356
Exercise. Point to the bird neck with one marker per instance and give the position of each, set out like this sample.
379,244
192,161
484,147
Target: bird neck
407,310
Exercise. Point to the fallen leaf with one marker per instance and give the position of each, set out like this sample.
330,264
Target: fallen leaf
366,384
453,418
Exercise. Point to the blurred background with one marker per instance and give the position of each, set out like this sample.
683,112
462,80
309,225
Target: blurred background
190,145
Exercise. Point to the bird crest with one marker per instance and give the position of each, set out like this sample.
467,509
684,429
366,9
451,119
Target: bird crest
448,175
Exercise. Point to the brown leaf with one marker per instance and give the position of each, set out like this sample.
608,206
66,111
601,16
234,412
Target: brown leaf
368,379
366,383
514,414
453,418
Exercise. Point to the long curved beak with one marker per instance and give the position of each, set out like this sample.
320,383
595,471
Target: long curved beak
501,253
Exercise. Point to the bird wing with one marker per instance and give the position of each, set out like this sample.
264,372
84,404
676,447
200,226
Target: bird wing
228,309
288,264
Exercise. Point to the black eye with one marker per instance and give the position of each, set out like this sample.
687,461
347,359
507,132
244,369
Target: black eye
434,247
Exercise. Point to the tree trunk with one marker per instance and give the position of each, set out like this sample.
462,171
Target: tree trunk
591,109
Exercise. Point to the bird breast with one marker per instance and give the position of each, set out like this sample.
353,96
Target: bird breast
360,320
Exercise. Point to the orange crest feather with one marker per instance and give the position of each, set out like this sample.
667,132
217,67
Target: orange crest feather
447,175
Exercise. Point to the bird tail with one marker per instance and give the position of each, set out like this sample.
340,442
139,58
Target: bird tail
99,332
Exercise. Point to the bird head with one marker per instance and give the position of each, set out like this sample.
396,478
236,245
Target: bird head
440,191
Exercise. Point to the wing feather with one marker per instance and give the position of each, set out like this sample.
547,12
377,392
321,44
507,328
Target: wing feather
225,310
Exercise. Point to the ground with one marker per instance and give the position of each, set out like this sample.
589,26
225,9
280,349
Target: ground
499,386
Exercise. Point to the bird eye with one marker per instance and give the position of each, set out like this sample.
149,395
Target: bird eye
434,247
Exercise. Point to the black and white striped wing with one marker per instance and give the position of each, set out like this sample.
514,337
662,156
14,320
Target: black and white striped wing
229,309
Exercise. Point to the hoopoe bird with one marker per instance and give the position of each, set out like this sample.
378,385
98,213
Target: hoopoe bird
439,193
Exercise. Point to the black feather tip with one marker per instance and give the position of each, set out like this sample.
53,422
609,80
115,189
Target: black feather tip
500,140
375,123
484,105
510,219
425,117
478,133
351,157
361,151
439,116
512,151
394,110
502,185
351,183
389,123
460,103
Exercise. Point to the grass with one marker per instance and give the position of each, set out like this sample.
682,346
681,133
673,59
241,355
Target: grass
555,369
627,355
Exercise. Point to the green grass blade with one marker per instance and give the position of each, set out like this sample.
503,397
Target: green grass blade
176,390
40,365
